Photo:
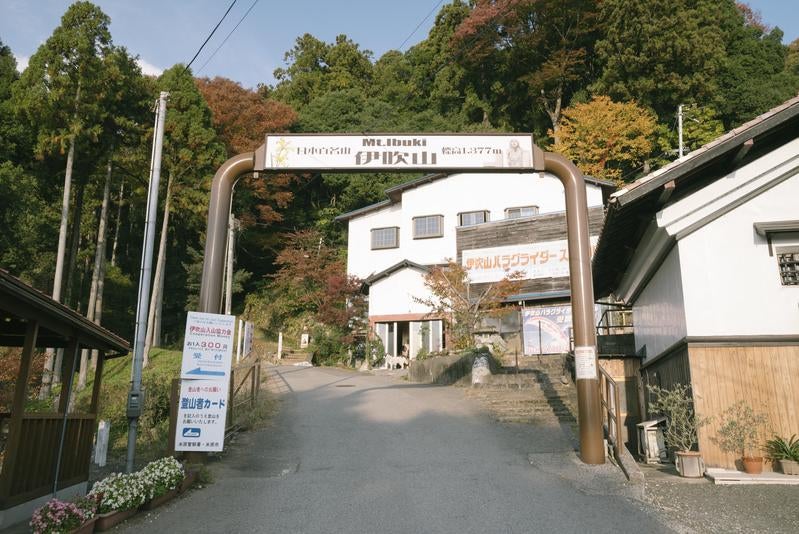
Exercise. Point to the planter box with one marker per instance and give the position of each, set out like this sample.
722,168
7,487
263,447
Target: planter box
789,467
188,480
85,528
161,499
111,519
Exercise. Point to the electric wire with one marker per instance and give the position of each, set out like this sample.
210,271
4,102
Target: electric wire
210,35
420,24
227,37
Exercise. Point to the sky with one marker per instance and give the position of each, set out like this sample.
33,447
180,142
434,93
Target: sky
165,32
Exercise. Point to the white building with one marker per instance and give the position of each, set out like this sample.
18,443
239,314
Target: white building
706,251
391,244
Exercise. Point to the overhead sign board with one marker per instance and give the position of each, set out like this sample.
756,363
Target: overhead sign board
545,259
399,152
208,346
202,414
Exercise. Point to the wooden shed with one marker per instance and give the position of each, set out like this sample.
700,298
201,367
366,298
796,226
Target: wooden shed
46,453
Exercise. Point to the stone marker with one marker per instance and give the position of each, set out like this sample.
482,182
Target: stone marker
480,371
101,446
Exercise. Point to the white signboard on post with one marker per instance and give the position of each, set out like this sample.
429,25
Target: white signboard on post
202,414
208,346
546,259
399,152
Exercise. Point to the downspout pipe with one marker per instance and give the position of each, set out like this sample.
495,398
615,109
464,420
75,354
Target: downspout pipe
592,450
216,234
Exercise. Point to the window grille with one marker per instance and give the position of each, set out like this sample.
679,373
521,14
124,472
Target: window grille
788,261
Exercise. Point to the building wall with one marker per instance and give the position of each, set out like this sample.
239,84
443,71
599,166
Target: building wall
449,197
658,313
766,376
731,283
394,295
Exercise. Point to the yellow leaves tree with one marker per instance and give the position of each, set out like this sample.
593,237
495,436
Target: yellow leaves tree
606,139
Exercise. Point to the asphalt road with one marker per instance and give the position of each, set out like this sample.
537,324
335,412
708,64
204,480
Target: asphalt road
355,453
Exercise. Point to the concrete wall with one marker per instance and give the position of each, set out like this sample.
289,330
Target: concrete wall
395,294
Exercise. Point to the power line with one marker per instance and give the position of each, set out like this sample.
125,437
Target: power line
420,25
210,35
226,38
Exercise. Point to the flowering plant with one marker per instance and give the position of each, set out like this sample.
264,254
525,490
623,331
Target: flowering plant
119,491
61,516
161,476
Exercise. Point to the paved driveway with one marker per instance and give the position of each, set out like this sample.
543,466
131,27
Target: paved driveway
352,453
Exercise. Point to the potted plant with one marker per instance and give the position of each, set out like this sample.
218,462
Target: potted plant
118,497
162,479
786,452
58,516
682,424
740,434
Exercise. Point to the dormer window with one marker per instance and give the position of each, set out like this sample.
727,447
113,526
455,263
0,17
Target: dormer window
470,218
523,211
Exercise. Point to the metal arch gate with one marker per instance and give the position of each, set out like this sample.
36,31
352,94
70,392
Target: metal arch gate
265,160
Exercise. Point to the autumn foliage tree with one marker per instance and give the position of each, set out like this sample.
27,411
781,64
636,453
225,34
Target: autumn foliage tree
464,305
606,139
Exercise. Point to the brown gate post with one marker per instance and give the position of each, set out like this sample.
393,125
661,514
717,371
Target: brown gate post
582,290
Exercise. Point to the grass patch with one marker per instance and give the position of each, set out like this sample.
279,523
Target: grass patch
152,438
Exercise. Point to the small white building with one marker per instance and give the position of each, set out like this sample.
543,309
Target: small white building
706,251
392,244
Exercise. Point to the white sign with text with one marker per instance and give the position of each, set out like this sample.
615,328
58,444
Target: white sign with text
546,259
208,346
398,152
202,414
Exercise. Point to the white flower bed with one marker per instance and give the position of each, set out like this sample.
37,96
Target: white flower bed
120,491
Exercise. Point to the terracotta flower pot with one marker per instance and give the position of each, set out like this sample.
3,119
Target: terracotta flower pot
111,519
161,499
753,465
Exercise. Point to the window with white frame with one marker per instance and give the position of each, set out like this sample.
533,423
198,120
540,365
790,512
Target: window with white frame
470,218
385,237
788,262
522,211
428,226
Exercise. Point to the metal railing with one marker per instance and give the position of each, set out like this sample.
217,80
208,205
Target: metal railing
615,320
609,399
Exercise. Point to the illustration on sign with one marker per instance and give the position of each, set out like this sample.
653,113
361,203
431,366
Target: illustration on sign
207,346
546,330
202,414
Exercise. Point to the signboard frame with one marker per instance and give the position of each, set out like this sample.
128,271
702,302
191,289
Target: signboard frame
531,161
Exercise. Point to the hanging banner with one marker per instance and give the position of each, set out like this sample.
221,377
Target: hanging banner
208,346
202,414
399,152
545,259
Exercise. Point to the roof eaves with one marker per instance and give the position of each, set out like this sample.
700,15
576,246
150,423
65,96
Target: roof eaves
363,211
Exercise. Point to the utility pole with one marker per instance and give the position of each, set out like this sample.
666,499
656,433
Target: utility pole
135,397
679,132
